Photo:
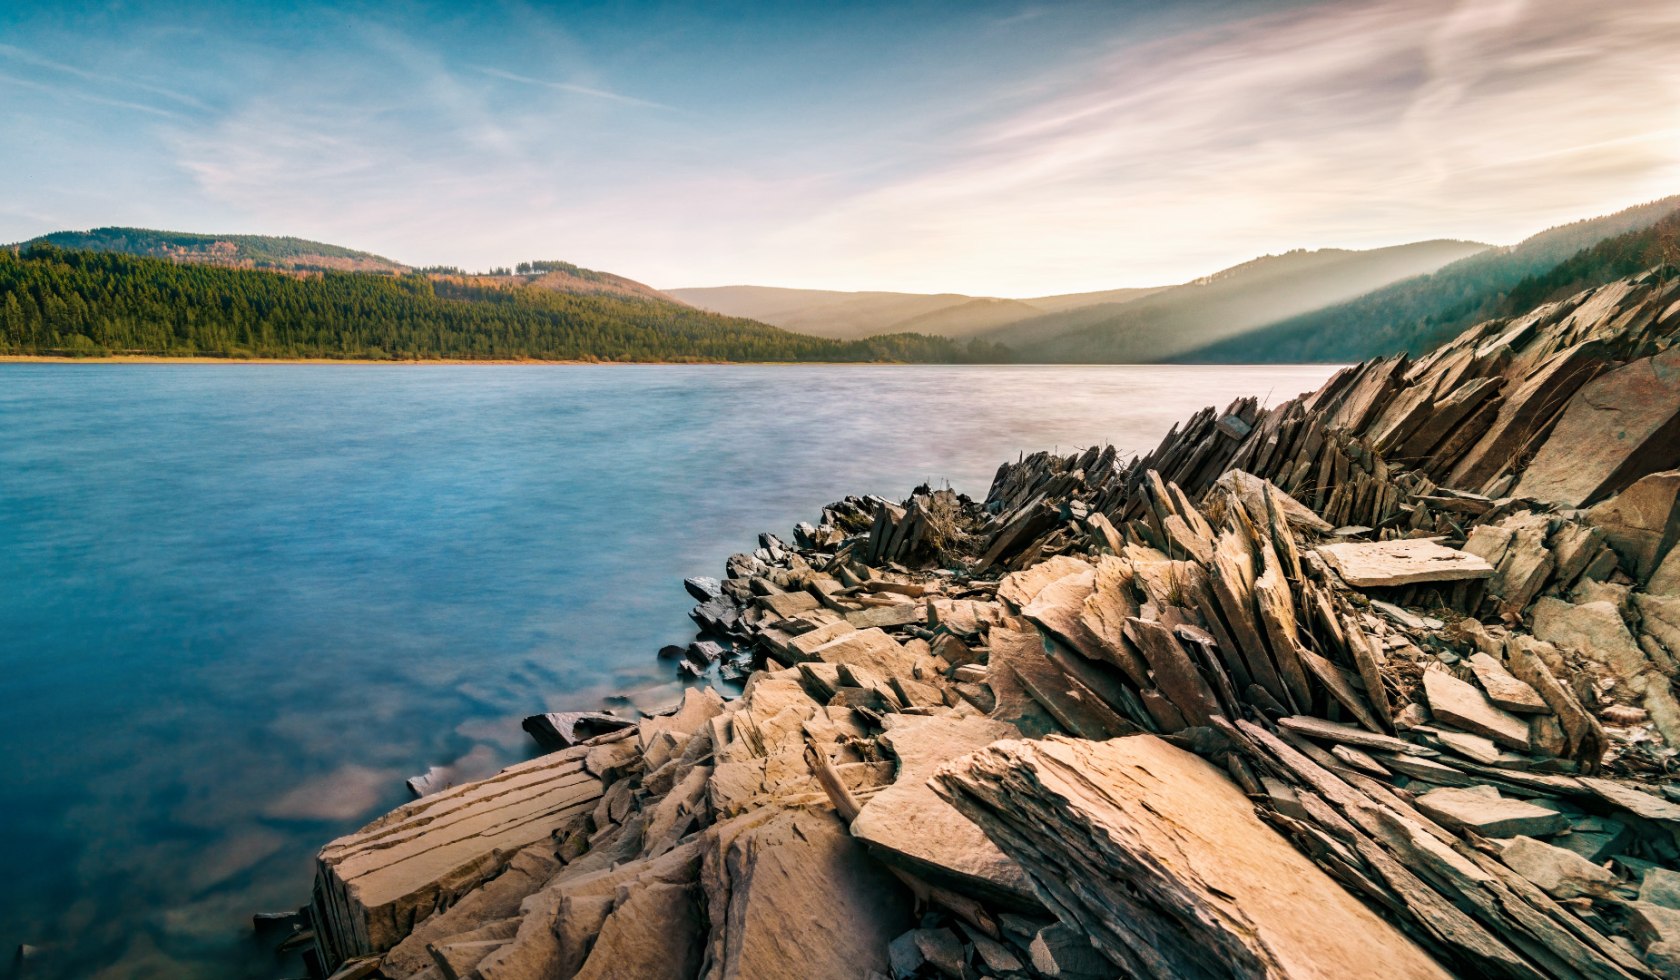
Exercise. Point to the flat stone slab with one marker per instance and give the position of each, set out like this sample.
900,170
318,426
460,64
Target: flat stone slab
924,834
1364,564
374,886
1504,690
1487,813
1463,705
1174,875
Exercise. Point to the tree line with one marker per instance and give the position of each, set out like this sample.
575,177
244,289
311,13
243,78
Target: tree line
89,303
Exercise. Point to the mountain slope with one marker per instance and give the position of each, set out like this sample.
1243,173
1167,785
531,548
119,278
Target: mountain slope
247,251
821,312
1418,314
55,301
1228,303
832,313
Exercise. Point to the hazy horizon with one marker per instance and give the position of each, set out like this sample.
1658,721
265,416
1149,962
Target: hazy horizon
989,149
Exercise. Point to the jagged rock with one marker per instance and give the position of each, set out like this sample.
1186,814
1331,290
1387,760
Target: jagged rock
938,948
1019,589
1651,925
1402,562
1160,860
870,649
496,901
1597,630
1064,953
1487,813
1661,887
1461,704
1504,690
703,588
793,895
1252,491
1642,522
564,729
374,886
1618,428
1558,872
912,826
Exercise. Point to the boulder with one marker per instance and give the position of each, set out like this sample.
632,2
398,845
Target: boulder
1504,690
1252,491
1661,887
564,729
1402,562
870,649
1619,427
1596,629
1159,859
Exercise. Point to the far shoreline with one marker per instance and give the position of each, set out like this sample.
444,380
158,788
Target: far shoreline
538,362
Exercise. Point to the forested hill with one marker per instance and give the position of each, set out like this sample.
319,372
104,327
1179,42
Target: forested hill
1419,314
247,251
57,301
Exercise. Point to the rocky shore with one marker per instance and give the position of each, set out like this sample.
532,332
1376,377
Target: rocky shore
1380,681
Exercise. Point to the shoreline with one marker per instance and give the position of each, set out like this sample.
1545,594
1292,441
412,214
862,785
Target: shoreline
1325,643
536,362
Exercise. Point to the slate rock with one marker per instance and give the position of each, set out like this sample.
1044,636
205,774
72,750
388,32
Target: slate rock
703,588
1621,426
1504,690
1402,562
1463,705
1558,872
1487,813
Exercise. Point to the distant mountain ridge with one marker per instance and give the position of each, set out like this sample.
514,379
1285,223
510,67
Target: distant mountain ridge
844,315
238,251
1225,304
1420,313
1303,305
1146,323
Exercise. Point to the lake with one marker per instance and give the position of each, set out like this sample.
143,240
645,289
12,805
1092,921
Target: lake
241,604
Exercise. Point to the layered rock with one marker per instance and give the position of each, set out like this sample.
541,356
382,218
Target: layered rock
1351,685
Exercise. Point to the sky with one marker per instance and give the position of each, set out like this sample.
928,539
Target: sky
1005,149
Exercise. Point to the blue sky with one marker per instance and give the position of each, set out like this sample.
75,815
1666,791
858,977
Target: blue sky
1004,149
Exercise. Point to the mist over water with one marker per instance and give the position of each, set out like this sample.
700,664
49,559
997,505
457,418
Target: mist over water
240,605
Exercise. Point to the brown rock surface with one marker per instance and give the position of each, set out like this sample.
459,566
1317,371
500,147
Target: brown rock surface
1619,427
1159,858
1404,562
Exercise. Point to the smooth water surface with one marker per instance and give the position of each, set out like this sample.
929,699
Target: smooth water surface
240,604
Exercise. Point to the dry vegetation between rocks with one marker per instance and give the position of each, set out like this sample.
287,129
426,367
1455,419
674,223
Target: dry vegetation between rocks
1378,681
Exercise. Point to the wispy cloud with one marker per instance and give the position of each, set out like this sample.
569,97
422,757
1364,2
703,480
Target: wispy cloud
20,56
597,93
81,96
1075,148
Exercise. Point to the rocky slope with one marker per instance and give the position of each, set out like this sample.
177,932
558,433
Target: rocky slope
1378,681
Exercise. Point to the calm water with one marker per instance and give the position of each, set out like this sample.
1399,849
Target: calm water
240,605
